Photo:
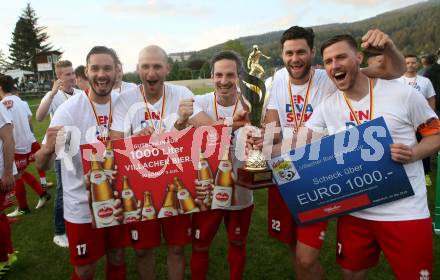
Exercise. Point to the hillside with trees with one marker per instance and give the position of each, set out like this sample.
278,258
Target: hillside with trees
414,29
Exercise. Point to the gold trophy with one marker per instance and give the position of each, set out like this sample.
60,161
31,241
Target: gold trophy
253,96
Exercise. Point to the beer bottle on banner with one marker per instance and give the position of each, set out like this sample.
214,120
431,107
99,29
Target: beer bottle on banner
223,184
102,195
169,205
148,211
109,159
128,202
205,178
186,202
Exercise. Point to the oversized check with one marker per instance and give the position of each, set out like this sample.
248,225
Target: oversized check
341,173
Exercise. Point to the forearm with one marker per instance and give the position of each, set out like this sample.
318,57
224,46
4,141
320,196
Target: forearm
44,160
43,108
8,154
116,134
426,147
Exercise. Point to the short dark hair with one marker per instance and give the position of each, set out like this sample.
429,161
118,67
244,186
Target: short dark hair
80,72
339,38
7,83
430,59
230,55
410,55
102,50
298,32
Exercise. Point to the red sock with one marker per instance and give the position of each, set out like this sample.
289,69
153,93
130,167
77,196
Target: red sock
20,194
32,181
115,272
5,238
237,260
199,264
76,277
42,175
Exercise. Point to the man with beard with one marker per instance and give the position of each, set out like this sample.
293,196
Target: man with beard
220,105
87,244
390,227
61,91
296,90
421,84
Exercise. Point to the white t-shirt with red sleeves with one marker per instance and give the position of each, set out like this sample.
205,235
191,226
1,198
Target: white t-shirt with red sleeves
243,197
280,100
5,118
404,110
23,135
78,112
58,99
130,115
421,84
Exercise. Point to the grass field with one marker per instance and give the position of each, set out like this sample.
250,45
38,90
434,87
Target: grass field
39,258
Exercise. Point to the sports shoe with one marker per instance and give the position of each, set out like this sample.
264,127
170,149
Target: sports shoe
49,184
43,199
428,180
19,212
61,240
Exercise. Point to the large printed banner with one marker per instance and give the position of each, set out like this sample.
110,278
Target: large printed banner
341,173
157,176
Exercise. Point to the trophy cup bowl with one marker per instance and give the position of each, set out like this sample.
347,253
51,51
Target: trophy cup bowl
255,174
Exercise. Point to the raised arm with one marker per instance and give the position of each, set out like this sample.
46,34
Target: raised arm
393,63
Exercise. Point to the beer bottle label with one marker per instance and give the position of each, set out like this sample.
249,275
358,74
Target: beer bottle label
130,216
103,212
148,213
202,164
109,153
221,197
127,194
167,212
225,166
97,177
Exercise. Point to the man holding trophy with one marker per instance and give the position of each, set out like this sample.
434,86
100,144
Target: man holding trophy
296,90
222,105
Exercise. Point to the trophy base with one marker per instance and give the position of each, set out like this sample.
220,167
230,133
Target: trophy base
255,178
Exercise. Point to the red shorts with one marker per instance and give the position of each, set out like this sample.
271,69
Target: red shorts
407,245
176,231
34,148
87,244
205,224
21,161
282,226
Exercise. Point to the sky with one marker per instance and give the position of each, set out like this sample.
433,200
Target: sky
129,25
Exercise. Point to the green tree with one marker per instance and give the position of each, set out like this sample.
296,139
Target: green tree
131,77
28,39
237,46
3,62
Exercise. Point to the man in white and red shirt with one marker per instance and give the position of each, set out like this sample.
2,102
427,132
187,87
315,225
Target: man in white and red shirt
223,104
87,244
157,106
63,89
424,86
296,91
401,229
7,171
24,138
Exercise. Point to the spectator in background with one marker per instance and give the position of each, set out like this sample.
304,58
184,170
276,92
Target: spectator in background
432,72
82,82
